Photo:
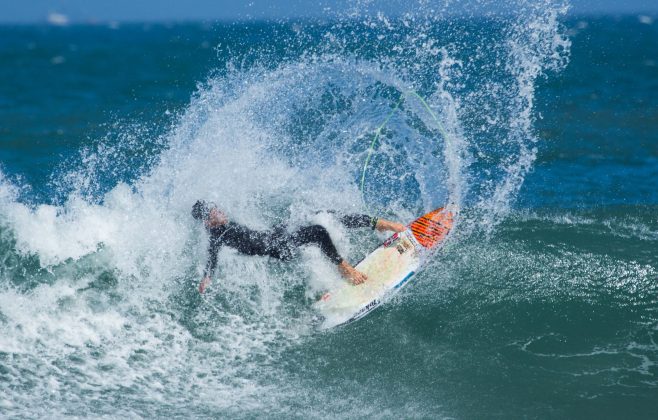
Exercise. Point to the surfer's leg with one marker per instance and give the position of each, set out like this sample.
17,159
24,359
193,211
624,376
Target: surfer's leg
317,234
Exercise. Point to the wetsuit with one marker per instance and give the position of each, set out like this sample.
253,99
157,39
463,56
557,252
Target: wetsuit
278,243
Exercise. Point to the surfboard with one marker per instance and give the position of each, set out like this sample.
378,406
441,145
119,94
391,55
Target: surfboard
389,268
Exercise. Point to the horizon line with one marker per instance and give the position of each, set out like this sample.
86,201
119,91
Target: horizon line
173,21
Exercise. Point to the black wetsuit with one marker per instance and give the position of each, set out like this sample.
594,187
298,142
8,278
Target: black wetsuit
278,243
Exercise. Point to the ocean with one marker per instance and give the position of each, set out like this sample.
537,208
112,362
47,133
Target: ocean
541,126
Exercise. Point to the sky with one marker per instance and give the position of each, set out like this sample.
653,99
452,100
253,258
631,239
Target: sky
27,11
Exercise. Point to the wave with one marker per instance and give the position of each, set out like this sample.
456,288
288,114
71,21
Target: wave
98,302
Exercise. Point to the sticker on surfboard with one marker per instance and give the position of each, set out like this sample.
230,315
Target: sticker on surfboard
389,267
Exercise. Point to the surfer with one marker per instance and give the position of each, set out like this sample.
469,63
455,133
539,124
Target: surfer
278,243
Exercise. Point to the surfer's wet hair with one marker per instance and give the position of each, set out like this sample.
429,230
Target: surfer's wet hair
201,210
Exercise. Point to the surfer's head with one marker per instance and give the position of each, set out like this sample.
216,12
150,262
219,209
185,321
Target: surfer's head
208,213
201,210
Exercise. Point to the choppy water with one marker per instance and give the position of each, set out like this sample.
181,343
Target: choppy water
542,128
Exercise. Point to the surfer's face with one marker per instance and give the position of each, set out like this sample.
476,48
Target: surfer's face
216,218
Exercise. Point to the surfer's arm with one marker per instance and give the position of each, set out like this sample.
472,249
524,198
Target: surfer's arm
388,225
363,220
211,265
358,221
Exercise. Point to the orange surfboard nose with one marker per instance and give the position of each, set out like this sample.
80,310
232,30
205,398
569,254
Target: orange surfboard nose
431,228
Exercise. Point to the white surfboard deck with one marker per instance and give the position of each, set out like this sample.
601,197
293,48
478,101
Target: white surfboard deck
388,268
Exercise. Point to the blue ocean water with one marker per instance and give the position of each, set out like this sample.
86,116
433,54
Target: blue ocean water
541,126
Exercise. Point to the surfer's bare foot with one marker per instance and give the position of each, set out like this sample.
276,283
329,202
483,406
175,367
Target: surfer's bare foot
384,225
351,274
204,283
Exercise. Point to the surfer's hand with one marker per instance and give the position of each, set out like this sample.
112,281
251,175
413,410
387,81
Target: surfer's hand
358,278
351,274
204,283
384,225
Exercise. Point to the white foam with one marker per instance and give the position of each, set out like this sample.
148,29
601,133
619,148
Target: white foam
647,20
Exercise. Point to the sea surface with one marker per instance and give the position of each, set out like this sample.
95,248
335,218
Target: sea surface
541,126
